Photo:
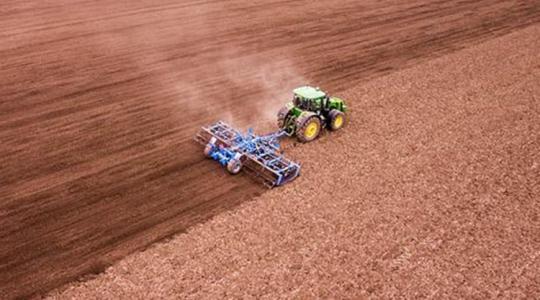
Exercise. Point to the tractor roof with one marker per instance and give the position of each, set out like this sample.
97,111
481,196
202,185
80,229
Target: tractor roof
309,92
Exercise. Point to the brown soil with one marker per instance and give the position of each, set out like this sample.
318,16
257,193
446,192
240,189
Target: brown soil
431,191
100,101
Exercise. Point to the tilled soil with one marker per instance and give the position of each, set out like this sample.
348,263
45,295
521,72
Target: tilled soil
431,191
100,100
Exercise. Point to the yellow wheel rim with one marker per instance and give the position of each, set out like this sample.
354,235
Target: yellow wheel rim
311,130
338,121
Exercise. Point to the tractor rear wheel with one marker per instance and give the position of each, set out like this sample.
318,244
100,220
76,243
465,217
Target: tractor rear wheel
234,166
337,119
282,116
308,128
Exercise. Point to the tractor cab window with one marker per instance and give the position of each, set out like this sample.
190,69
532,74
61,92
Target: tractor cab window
301,102
296,100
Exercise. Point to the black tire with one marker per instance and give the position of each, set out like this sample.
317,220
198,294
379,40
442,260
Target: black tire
303,132
208,149
336,119
282,115
234,166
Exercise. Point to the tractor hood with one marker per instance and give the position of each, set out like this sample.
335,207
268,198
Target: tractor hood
338,102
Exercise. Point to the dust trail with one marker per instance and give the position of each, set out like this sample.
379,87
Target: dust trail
257,85
272,82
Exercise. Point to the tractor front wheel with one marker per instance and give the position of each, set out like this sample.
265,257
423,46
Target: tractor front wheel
337,119
308,129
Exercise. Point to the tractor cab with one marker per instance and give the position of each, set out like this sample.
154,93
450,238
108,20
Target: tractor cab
309,98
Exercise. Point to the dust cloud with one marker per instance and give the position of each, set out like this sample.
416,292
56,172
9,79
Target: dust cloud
196,78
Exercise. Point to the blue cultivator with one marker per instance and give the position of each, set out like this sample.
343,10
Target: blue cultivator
257,155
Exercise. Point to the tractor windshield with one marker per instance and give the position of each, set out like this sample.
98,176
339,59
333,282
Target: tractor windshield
301,102
296,100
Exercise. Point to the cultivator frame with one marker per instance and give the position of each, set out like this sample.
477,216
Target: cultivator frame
259,156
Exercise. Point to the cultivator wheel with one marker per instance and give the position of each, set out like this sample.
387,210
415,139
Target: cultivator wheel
208,150
234,166
337,119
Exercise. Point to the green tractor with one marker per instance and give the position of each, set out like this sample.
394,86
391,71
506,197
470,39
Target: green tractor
309,112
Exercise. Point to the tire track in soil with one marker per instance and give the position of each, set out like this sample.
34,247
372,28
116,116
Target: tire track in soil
97,159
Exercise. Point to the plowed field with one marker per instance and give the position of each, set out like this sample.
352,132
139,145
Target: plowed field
99,101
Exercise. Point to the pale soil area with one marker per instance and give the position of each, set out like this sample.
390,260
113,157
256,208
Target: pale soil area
432,190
